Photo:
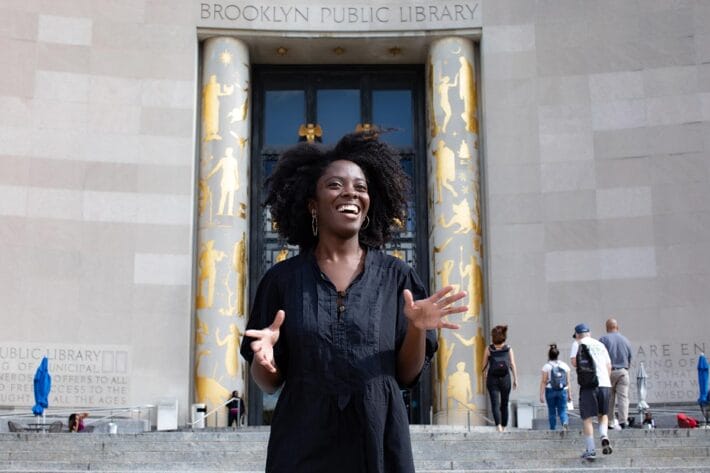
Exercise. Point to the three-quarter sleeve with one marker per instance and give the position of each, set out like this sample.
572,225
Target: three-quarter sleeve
263,310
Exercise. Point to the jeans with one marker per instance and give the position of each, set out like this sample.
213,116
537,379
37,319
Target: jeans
499,392
556,400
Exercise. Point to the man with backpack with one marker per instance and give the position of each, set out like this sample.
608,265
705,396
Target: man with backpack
593,365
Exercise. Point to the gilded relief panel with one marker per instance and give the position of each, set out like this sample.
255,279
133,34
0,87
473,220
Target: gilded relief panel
222,197
455,219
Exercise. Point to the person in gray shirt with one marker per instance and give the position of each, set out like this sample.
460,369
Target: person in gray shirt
619,349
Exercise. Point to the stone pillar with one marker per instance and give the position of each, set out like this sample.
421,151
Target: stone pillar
455,225
223,224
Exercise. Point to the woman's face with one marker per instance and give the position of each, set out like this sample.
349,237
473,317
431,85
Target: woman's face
341,200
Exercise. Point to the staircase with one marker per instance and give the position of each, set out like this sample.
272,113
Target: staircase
437,449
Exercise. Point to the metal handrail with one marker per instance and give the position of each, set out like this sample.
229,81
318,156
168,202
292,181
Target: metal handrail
112,411
191,424
468,416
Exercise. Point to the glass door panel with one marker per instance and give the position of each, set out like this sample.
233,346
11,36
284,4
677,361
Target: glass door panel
284,112
337,112
392,110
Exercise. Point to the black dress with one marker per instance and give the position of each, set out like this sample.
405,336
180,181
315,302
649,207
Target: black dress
341,408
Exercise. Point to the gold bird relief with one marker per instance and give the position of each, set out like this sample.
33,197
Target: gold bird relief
310,132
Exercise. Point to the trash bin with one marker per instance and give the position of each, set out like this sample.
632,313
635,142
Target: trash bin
112,428
167,414
197,415
525,414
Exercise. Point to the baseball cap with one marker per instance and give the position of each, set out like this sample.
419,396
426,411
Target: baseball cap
580,328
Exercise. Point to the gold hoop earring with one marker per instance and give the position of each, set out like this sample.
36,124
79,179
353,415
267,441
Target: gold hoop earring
367,222
314,223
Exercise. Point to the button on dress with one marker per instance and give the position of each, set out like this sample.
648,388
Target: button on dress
340,409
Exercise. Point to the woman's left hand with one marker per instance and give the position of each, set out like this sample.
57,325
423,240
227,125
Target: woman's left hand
431,313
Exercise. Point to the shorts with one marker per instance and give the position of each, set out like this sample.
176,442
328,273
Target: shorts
593,402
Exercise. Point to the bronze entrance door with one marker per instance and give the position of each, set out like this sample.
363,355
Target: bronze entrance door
321,104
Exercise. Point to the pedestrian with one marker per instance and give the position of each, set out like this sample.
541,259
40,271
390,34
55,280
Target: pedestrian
235,409
498,365
591,360
76,421
619,349
554,388
342,325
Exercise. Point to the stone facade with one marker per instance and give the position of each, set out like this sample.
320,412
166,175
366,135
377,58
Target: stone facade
594,134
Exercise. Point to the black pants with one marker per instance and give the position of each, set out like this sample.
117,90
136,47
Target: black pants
499,391
233,416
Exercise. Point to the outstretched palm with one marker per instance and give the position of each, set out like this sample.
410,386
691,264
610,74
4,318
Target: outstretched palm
431,313
264,341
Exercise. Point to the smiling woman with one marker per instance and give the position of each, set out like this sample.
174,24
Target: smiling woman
342,325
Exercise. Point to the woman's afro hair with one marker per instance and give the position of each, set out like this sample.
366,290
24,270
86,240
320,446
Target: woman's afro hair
293,183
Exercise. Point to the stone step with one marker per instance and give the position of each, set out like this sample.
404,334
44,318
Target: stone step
435,449
258,451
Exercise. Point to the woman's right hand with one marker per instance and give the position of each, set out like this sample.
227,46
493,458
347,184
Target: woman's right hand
264,341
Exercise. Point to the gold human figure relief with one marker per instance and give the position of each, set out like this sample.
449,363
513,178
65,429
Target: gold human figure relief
207,273
310,132
462,217
205,198
464,152
229,183
443,355
445,273
239,113
211,93
442,87
202,330
445,170
281,255
473,272
477,227
231,357
207,389
478,348
239,261
238,266
460,387
467,93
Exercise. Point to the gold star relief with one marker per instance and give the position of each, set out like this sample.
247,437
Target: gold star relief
225,57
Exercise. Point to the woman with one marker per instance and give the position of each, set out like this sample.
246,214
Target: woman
498,364
76,422
342,325
235,409
554,388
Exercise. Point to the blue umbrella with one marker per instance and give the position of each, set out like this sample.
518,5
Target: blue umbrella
703,385
42,386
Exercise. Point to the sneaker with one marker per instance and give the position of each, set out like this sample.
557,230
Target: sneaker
589,455
565,427
616,425
606,447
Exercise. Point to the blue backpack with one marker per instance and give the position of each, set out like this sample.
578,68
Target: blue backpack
558,377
